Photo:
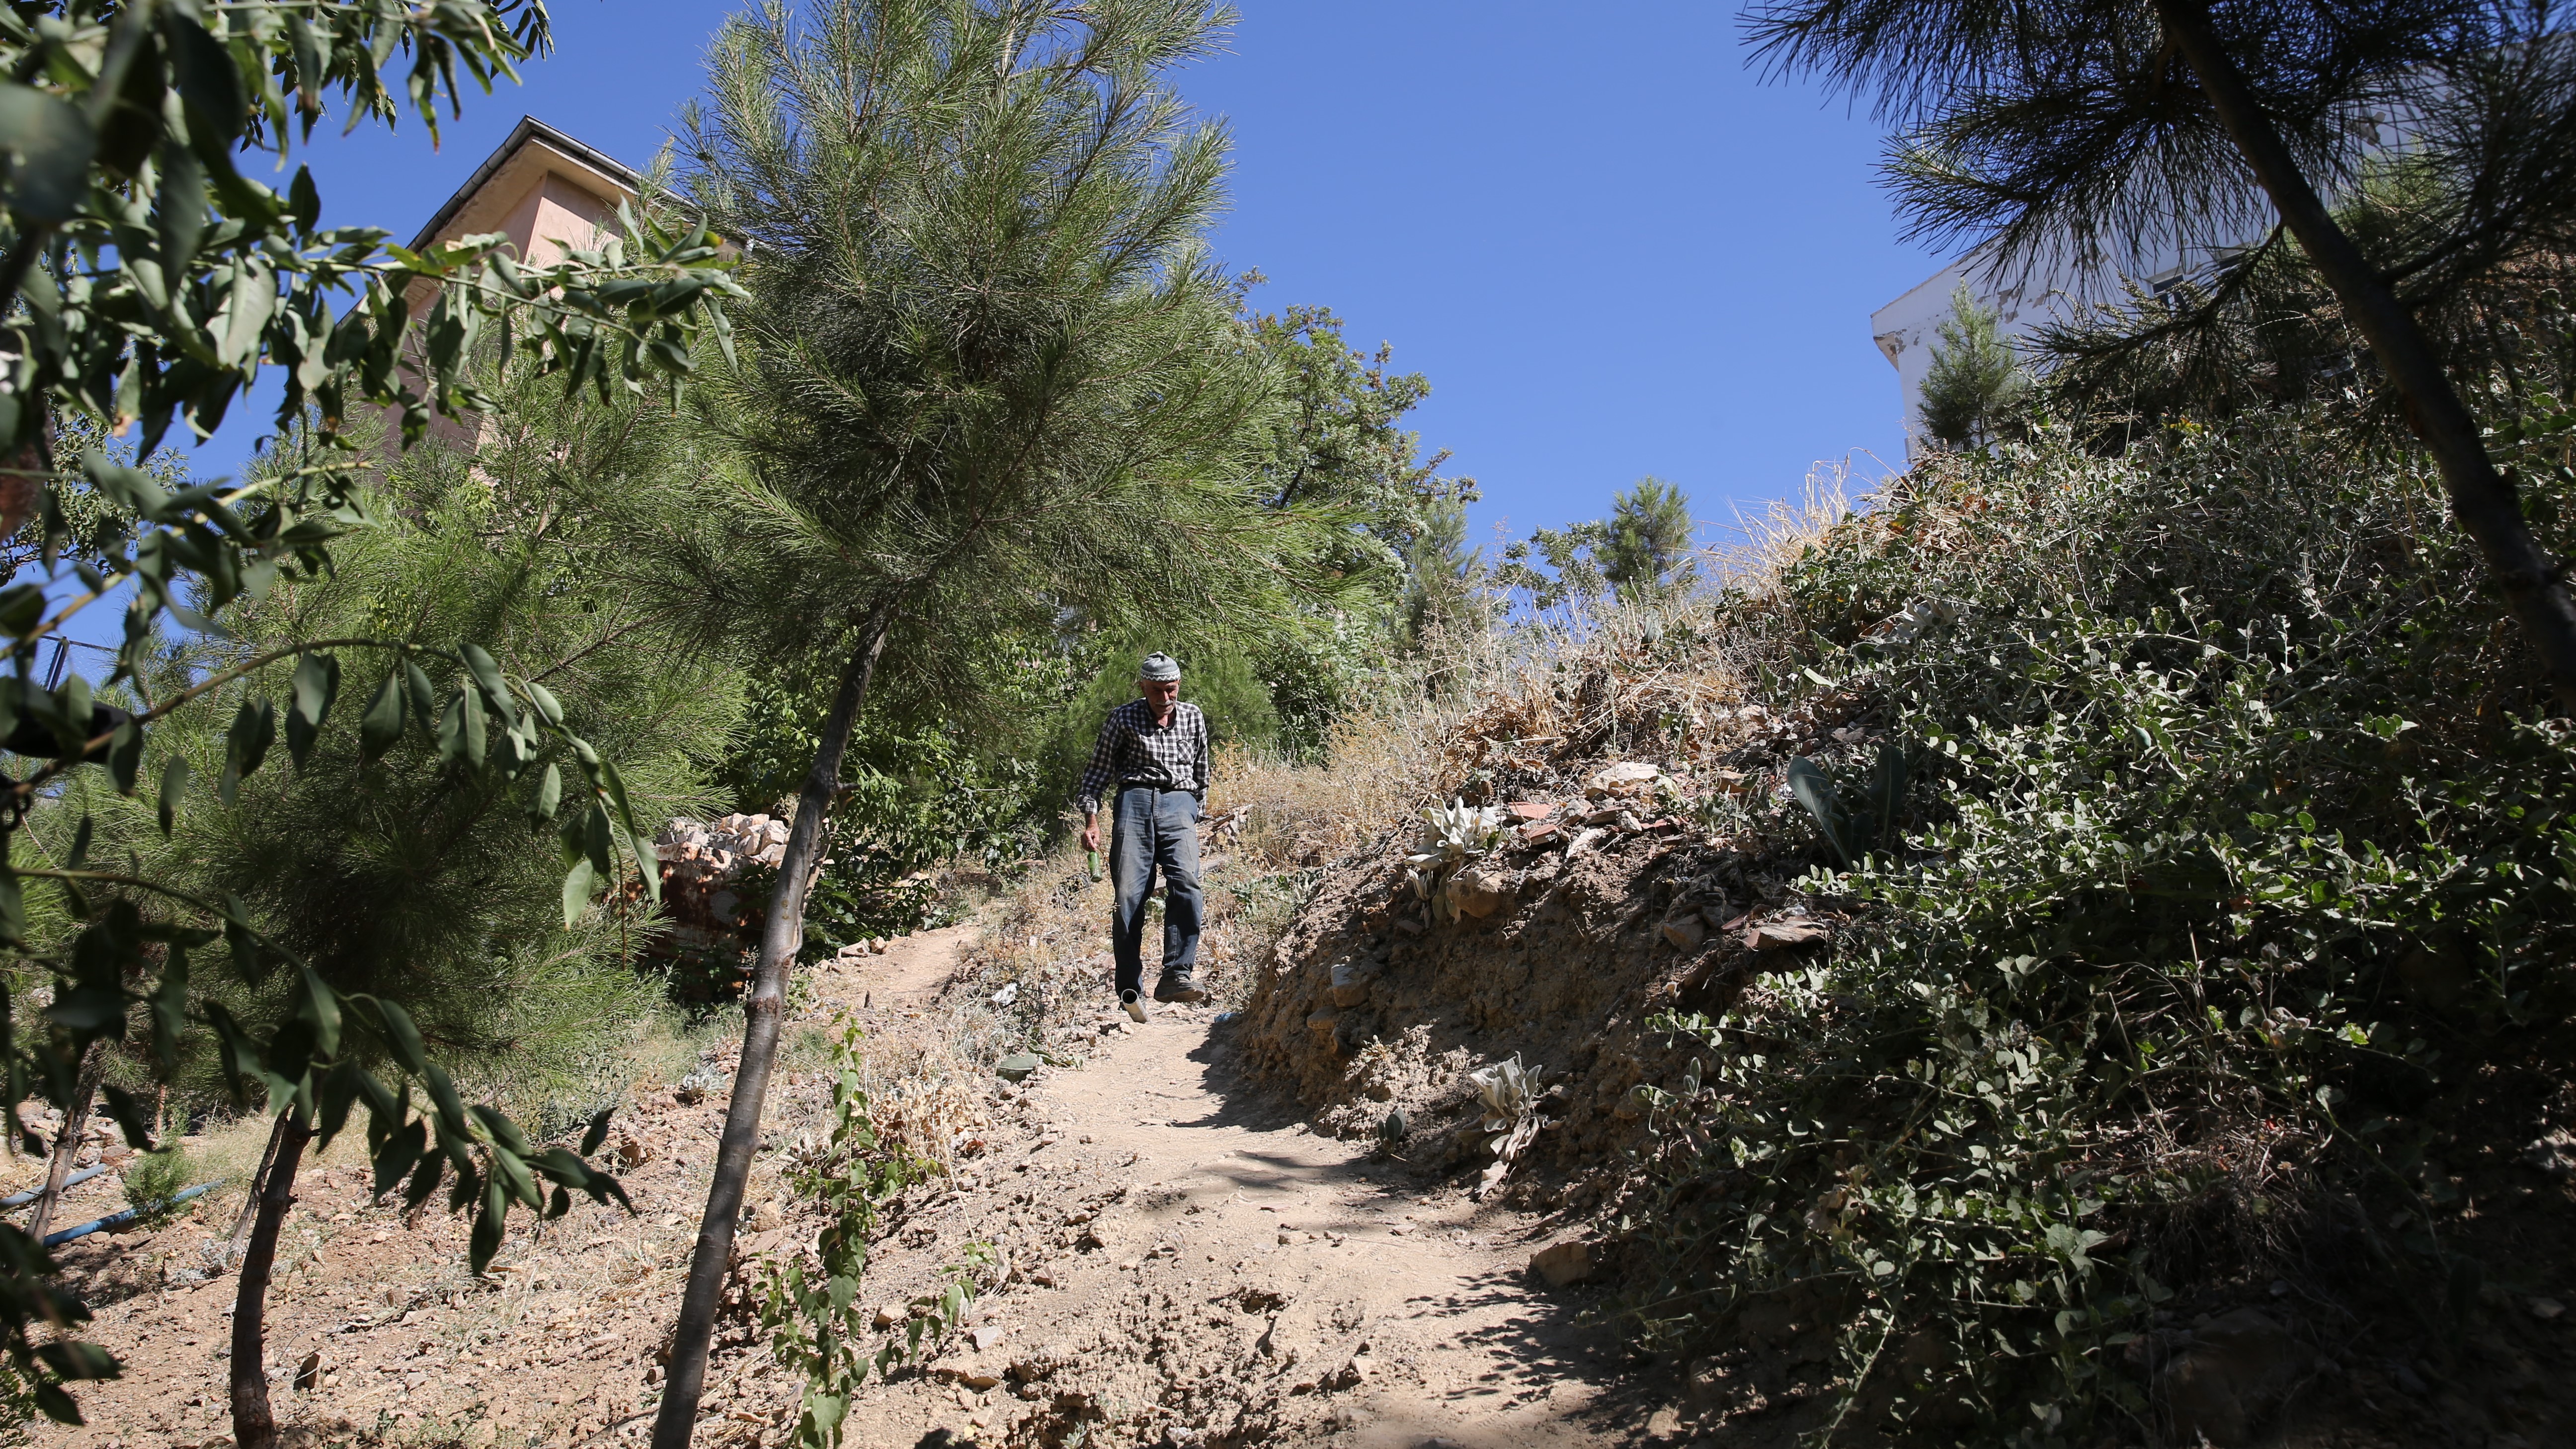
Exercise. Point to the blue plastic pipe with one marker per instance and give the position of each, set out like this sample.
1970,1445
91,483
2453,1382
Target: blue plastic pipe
21,1199
130,1214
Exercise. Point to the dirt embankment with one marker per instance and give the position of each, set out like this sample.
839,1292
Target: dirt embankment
1374,1004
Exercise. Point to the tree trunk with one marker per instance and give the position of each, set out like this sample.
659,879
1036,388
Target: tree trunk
67,1142
254,1424
238,1243
2484,499
781,933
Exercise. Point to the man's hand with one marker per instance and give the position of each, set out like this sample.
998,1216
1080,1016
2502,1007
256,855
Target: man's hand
1091,832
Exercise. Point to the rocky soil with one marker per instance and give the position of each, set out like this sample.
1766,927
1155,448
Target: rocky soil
1187,1262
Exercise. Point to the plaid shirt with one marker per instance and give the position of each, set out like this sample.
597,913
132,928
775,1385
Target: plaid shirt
1133,750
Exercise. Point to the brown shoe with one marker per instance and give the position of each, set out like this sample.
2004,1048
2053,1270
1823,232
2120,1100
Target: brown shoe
1178,988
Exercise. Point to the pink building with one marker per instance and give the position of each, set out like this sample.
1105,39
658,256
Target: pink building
545,191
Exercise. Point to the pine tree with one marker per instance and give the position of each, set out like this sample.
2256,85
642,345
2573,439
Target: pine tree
986,379
1444,580
1645,551
2107,133
1974,381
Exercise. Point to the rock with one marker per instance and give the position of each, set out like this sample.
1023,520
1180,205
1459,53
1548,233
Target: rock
1018,1066
1323,1022
1351,983
1628,777
1486,890
986,1336
1530,809
1781,935
886,1318
2235,1371
2545,1309
1349,1376
1409,925
1688,933
978,1377
1537,831
308,1374
1091,1238
1563,1264
1664,1423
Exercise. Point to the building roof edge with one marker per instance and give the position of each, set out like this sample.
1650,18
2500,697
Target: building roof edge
528,129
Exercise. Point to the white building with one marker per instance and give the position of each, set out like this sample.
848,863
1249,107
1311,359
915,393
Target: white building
1907,328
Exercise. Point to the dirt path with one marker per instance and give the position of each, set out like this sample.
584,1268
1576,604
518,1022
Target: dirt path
1187,1263
1187,1256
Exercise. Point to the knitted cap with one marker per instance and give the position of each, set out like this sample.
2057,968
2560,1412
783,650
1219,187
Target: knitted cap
1159,667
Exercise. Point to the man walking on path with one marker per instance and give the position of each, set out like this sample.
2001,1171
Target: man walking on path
1153,756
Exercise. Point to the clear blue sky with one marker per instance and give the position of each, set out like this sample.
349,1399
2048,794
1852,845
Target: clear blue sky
1613,249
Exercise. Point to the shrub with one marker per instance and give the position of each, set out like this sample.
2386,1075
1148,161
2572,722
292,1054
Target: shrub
2236,855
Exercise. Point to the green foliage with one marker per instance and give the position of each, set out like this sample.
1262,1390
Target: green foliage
1975,383
157,277
1444,581
1642,553
2204,843
813,1318
1334,434
156,1177
1645,549
145,278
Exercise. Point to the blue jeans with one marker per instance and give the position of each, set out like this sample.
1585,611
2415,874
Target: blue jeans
1150,829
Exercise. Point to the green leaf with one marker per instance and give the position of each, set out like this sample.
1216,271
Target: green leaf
580,884
486,1238
399,1153
317,684
380,728
125,754
597,1135
170,1005
50,145
549,796
321,1008
208,81
496,690
254,729
173,788
401,1037
546,705
424,698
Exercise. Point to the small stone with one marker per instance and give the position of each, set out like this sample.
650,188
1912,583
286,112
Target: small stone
1664,1423
2545,1309
1563,1264
1688,933
1323,1022
985,1337
886,1318
1530,809
978,1379
1018,1066
1781,935
1350,983
1538,830
1628,777
1485,891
